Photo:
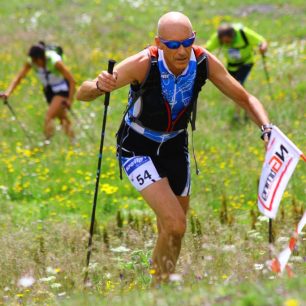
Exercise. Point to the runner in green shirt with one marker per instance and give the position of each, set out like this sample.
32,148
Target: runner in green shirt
58,86
238,44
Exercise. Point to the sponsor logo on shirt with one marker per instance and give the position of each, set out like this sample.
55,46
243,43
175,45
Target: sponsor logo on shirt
164,75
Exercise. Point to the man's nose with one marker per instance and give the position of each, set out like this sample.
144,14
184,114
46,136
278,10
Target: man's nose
181,50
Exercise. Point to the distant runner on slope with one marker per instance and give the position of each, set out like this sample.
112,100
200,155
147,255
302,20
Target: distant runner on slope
238,44
58,85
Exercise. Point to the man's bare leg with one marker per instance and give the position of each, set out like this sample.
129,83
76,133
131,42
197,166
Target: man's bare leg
172,225
184,202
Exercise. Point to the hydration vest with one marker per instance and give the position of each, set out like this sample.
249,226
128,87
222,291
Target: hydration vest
154,111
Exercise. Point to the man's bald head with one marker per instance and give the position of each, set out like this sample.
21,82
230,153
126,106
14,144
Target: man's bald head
175,26
172,24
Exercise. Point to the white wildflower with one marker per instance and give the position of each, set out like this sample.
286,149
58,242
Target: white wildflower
88,284
208,258
175,277
47,279
254,234
108,275
282,239
34,19
51,270
258,266
272,277
263,219
296,259
229,248
120,249
55,285
4,189
92,266
84,19
26,281
149,243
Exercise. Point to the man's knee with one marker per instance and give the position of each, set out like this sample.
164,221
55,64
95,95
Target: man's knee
175,226
48,118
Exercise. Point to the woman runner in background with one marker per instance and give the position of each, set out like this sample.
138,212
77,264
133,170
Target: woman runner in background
58,85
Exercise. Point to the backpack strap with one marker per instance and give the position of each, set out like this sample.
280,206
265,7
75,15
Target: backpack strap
198,51
153,50
244,37
153,75
200,80
151,79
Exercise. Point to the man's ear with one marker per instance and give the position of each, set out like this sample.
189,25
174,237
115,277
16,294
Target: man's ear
157,42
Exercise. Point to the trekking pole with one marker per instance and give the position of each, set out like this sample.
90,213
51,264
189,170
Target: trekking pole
263,56
271,238
270,231
6,102
111,64
76,117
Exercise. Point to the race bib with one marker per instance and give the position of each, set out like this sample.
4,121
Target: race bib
141,171
234,54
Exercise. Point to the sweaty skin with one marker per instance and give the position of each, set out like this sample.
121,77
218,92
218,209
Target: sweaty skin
170,209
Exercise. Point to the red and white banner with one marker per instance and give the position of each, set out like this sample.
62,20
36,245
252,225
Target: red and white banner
279,263
281,159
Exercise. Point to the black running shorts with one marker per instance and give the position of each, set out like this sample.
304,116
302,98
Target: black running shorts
146,161
50,94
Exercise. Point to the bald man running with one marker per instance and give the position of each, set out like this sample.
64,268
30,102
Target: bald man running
152,140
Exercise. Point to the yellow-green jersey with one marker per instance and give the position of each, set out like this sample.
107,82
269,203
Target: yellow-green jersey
50,76
241,49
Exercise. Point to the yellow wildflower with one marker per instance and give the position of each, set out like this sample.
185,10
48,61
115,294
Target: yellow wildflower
291,302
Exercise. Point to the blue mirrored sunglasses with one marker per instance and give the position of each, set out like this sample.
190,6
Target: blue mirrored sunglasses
175,44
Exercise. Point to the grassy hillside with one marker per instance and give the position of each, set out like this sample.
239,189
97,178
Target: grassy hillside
46,192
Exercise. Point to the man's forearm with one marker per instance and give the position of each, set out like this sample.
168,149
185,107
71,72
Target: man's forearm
88,91
257,112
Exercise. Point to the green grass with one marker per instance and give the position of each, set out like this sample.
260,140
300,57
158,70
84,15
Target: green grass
46,193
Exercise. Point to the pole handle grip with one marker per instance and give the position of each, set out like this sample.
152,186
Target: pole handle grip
110,68
111,64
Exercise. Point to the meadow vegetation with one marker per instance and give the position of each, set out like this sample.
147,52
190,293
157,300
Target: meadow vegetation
46,192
